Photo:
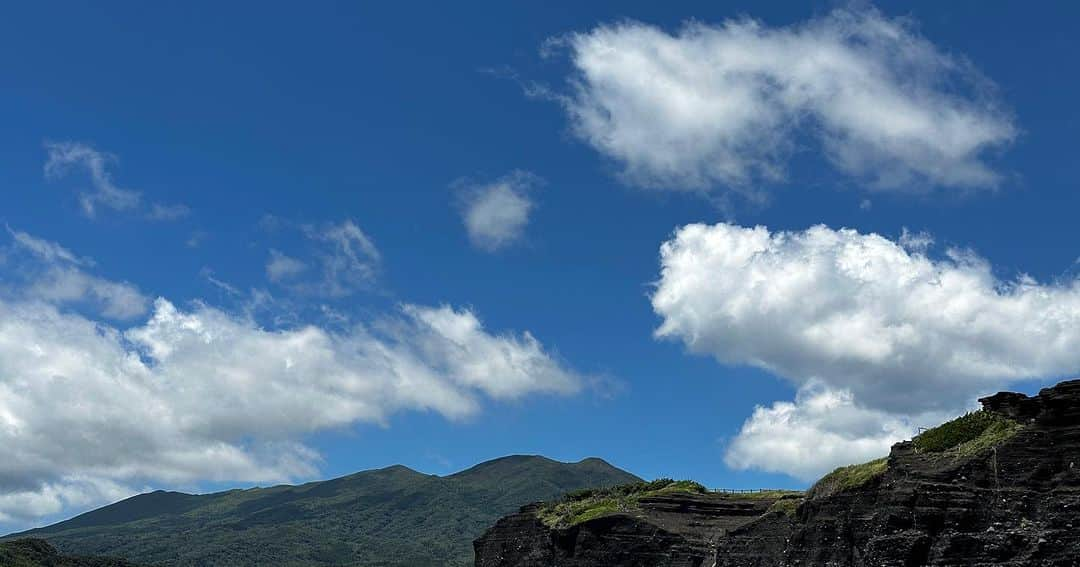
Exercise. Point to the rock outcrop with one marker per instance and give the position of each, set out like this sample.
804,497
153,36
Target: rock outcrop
670,530
1015,502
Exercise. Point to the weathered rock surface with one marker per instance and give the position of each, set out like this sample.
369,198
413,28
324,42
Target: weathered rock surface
671,530
1016,504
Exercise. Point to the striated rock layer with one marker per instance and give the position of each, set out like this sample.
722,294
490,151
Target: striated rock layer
672,530
1013,504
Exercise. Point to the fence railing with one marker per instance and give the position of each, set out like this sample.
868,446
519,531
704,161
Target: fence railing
749,490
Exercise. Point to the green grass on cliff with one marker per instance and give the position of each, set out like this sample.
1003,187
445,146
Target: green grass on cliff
584,505
846,478
787,504
968,434
964,436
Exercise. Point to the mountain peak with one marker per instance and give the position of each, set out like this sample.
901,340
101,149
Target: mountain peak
389,516
511,463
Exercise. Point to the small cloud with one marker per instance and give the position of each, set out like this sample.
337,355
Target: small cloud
495,214
340,260
47,250
161,212
228,288
280,267
915,241
271,223
866,205
65,156
196,239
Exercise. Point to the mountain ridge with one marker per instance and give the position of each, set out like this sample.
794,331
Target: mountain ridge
388,516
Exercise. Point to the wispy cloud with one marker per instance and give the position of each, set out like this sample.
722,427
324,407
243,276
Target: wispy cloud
64,157
161,212
281,267
47,250
50,272
331,260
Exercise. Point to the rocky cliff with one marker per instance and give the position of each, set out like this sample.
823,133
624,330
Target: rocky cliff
999,487
677,529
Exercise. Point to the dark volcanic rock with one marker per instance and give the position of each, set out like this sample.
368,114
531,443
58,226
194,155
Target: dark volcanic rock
1015,504
671,530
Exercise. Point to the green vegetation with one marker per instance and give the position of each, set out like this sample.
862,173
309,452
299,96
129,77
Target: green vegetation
38,553
968,434
964,436
388,517
787,504
846,478
584,505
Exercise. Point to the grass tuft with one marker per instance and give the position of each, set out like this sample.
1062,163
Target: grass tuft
584,505
846,478
786,505
968,434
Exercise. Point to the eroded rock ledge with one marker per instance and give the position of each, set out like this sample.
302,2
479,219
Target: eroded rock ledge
1012,503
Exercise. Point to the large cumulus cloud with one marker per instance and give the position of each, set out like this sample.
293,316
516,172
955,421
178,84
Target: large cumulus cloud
728,104
873,324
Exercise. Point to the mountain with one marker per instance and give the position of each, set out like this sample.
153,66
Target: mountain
387,517
999,487
37,553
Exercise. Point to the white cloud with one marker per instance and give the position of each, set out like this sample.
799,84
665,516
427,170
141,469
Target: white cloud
47,271
280,266
115,300
496,214
162,212
196,239
87,410
723,104
899,331
821,429
344,257
63,157
46,250
68,492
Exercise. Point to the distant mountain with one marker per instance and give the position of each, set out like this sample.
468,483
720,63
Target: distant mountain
386,517
38,553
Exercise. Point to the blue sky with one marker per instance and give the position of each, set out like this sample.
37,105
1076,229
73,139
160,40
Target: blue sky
427,169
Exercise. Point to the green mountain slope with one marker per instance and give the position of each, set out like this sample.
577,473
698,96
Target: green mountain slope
386,517
38,553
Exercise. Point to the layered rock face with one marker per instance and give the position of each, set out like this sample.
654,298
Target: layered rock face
1016,503
671,530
